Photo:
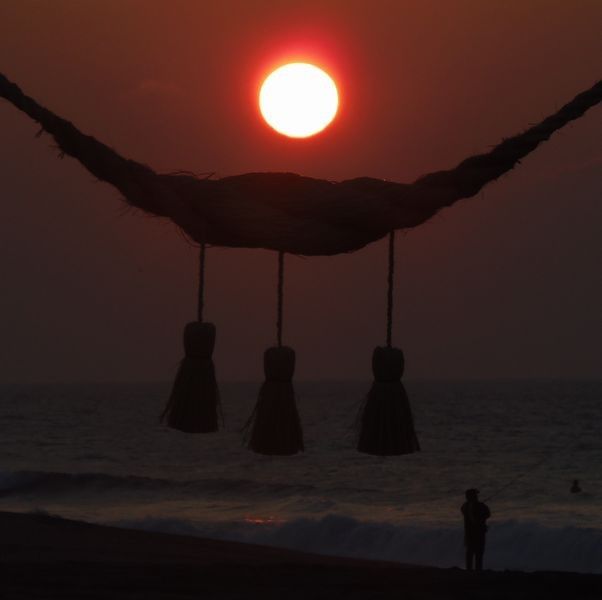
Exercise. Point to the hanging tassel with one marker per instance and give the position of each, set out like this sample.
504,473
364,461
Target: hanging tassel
194,401
387,425
385,420
274,428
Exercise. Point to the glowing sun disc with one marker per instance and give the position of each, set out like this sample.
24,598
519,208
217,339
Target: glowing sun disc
298,100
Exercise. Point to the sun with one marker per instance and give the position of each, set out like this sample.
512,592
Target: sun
298,100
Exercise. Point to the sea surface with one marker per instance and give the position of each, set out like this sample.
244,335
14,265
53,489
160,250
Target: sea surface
99,453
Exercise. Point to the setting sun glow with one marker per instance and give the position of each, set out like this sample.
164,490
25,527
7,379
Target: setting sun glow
298,100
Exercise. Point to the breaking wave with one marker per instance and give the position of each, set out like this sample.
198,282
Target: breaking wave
511,544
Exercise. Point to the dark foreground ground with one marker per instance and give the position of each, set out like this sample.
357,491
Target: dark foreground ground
45,557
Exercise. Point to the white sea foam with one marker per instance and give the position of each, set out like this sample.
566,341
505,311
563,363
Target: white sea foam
510,545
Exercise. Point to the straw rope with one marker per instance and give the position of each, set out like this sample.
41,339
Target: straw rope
288,212
201,294
390,275
280,299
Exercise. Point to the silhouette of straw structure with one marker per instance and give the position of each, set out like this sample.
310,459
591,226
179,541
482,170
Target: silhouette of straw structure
288,212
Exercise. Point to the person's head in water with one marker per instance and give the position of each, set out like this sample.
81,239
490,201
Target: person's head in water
472,495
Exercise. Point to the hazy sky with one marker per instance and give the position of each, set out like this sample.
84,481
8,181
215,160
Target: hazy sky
506,284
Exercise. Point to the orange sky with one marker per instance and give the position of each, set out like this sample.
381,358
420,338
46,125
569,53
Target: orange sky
503,285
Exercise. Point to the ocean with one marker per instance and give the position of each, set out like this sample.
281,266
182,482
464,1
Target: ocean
98,453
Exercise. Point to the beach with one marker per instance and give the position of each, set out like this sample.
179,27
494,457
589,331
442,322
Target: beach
49,557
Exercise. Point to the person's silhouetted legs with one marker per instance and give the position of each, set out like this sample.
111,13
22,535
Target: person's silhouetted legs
469,558
474,554
478,548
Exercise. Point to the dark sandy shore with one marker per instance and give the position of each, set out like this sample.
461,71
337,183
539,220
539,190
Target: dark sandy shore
46,557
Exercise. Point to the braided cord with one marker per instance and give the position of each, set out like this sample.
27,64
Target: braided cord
390,274
280,298
201,296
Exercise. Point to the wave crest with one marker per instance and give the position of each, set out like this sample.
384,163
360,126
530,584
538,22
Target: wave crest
516,545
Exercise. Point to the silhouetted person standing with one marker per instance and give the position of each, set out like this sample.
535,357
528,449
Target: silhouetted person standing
575,488
475,528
